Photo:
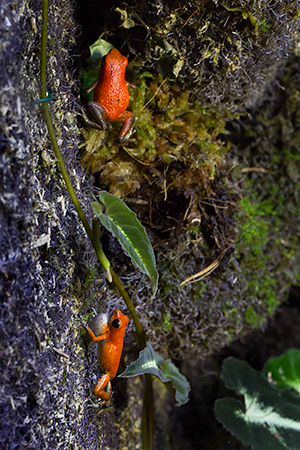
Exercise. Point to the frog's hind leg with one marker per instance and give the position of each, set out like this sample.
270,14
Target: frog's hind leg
99,390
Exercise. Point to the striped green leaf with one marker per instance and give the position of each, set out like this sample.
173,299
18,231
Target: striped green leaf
151,362
269,419
124,225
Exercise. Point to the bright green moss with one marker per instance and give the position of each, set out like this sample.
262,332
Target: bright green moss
169,128
201,287
255,254
268,223
167,325
250,315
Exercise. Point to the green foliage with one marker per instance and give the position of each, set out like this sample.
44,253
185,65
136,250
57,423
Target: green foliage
254,228
250,315
284,370
98,50
269,418
167,325
124,225
169,128
268,223
253,247
264,25
151,362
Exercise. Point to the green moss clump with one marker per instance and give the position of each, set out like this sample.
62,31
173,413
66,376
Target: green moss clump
250,315
169,129
254,219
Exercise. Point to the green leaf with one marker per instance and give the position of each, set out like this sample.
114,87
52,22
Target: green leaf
180,384
128,22
150,361
269,418
99,49
87,79
124,225
284,370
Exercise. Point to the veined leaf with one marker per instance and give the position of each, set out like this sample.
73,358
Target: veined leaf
151,362
284,370
270,418
124,225
147,362
99,49
179,382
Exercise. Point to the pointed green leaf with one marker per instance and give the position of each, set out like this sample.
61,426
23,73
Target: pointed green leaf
180,384
99,49
270,418
148,362
284,370
124,225
151,362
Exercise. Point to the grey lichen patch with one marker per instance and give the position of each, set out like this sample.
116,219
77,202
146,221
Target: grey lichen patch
45,383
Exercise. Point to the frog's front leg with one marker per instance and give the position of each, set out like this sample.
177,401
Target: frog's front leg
99,390
95,338
96,113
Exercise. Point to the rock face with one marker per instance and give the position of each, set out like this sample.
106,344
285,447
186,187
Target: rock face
43,398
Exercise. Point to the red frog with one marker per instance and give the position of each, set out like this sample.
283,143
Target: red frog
111,96
110,337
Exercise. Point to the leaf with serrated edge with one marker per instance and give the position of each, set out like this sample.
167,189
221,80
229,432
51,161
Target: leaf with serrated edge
270,419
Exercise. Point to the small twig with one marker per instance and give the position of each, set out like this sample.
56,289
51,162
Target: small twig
204,273
61,353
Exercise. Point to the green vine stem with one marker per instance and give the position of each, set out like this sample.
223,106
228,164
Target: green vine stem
93,235
98,249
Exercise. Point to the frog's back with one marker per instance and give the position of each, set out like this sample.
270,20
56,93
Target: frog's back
110,350
111,91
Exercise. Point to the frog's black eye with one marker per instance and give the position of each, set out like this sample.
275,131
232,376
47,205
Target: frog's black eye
116,323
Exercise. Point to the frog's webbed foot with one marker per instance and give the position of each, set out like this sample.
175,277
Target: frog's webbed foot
95,403
94,116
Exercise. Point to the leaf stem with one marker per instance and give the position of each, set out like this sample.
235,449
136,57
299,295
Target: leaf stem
97,246
141,335
93,234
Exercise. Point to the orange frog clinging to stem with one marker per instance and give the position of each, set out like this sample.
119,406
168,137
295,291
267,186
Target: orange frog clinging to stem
111,96
110,337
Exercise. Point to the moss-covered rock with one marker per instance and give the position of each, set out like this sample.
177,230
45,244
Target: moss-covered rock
50,281
268,238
